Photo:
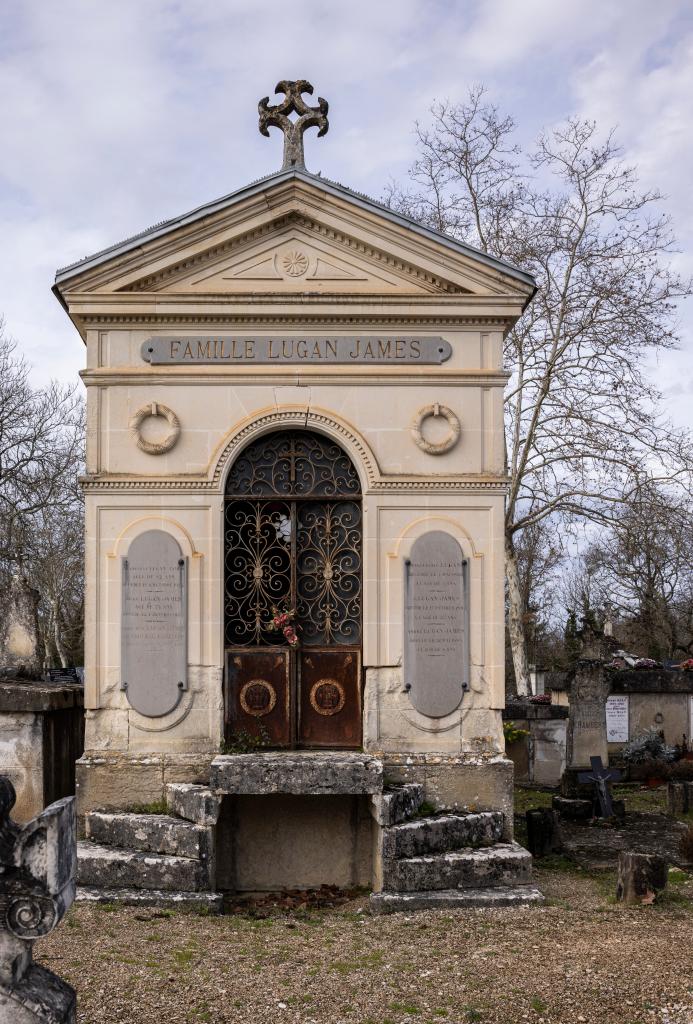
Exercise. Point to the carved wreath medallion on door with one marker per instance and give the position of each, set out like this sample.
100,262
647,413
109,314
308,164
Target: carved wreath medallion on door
292,542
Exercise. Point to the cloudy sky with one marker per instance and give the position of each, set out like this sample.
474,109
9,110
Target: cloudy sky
117,114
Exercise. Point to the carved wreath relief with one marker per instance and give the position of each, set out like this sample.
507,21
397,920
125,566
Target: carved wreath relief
442,446
156,410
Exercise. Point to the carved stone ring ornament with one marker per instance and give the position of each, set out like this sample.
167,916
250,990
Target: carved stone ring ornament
277,116
442,446
295,263
158,447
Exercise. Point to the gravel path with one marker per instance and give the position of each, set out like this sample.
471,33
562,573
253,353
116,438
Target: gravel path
580,959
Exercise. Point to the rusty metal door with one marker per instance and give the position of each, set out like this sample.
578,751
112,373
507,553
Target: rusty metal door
293,541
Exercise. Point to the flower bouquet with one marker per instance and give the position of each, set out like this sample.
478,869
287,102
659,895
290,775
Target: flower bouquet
283,622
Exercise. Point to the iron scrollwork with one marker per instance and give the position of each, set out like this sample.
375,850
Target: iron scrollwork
328,577
305,554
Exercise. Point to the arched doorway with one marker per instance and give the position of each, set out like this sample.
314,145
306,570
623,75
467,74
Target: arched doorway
292,542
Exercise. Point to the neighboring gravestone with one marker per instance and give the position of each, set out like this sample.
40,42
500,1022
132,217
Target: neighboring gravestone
154,624
436,634
37,887
588,693
19,635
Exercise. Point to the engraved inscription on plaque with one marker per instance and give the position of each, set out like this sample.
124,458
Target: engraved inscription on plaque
154,624
617,718
231,350
436,631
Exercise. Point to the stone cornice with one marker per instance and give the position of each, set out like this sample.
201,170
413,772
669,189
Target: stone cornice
202,485
268,376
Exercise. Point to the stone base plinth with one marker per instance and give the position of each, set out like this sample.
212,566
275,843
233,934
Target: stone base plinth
463,783
119,781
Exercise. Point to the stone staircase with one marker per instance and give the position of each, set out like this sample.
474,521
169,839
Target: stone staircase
446,859
153,859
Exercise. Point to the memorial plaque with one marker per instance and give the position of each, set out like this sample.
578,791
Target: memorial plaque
617,718
154,624
436,632
231,349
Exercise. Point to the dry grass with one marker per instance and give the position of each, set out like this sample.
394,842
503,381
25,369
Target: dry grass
582,958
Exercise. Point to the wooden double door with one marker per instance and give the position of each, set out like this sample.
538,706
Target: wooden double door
293,542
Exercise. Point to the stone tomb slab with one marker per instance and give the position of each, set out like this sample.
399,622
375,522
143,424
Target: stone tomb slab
436,635
154,624
305,773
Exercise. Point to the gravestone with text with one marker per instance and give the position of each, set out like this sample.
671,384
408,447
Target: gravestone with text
154,624
436,649
588,694
617,730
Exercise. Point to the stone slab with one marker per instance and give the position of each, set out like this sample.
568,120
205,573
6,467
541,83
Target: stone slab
194,803
301,773
112,867
500,865
436,634
151,833
211,902
154,624
455,899
397,804
30,697
39,997
442,833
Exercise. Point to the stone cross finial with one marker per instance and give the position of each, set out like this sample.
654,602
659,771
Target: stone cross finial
277,116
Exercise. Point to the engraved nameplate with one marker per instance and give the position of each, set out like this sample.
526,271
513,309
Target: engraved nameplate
436,631
154,624
226,349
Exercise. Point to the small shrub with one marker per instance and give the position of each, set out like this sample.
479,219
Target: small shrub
648,747
155,807
512,733
243,742
687,844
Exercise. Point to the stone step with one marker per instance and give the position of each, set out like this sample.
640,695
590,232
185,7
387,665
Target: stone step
209,902
397,803
111,867
504,864
152,833
193,803
441,833
455,899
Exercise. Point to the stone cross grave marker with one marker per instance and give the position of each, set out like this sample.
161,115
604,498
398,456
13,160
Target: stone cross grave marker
279,116
601,777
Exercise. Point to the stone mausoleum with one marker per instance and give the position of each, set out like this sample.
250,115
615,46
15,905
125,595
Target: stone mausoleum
294,516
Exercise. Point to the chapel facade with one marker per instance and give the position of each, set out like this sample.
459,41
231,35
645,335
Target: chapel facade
294,497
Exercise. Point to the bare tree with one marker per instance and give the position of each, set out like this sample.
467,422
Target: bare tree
41,511
582,426
641,572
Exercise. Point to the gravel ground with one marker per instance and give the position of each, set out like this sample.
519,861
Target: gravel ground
581,958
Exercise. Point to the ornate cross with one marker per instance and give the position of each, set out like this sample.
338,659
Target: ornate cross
601,777
278,117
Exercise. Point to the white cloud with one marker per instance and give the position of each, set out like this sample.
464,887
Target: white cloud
119,115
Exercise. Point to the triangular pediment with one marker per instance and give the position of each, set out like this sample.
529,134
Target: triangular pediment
292,234
294,254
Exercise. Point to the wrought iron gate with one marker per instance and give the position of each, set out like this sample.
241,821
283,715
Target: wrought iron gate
293,543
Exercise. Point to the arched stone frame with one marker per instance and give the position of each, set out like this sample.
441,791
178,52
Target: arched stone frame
318,421
392,599
195,640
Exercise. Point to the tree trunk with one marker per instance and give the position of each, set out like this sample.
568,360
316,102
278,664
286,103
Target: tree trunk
62,655
640,877
515,623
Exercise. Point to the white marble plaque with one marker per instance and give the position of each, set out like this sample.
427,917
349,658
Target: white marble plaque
436,633
154,624
617,718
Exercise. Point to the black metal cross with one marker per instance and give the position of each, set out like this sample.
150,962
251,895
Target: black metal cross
277,116
601,777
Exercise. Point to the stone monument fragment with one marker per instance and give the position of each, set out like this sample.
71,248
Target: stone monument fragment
589,690
19,634
37,887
